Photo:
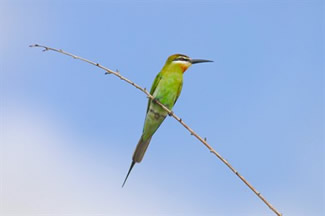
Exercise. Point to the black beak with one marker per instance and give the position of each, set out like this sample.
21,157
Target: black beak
195,61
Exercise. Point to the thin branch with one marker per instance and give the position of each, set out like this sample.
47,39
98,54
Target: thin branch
170,113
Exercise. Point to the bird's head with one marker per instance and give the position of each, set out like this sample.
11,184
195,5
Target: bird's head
183,61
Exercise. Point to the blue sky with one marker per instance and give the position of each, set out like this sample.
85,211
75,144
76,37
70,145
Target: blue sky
68,131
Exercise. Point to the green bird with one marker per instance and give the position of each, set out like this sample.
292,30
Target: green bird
166,88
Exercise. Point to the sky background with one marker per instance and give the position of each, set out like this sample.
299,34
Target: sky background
68,131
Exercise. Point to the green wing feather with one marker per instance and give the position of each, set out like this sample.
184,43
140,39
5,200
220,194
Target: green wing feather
153,88
179,91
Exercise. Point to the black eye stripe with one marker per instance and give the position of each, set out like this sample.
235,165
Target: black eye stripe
182,59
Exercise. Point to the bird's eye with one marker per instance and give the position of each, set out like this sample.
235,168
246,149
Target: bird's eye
181,59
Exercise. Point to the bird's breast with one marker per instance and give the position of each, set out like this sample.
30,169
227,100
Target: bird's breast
167,89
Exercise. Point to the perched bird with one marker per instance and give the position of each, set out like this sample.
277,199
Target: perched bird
166,88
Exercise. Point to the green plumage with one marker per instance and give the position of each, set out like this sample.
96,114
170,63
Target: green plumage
166,88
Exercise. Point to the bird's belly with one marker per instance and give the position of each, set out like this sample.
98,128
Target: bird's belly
154,118
167,91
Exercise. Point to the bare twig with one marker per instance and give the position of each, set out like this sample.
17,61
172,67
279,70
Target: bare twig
170,113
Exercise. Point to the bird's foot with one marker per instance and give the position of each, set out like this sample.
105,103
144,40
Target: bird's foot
155,100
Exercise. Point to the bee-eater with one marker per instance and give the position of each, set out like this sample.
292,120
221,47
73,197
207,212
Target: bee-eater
166,88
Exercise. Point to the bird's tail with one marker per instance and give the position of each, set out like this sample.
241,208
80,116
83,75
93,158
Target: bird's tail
132,164
138,154
140,149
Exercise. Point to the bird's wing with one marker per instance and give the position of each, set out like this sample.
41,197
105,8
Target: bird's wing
179,91
153,88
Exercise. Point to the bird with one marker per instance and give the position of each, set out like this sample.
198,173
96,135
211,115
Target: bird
166,89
